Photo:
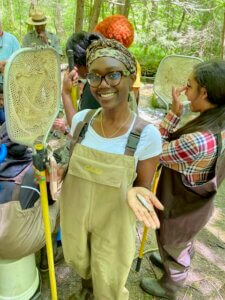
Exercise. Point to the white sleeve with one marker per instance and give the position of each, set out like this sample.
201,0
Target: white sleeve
150,143
79,116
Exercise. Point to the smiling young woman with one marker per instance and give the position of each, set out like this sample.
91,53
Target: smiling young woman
98,227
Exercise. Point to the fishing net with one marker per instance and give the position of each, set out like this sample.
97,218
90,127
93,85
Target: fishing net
173,70
31,94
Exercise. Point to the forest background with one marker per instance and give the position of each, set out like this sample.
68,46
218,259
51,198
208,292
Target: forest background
162,27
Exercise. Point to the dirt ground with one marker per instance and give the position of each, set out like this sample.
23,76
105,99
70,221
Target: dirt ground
207,274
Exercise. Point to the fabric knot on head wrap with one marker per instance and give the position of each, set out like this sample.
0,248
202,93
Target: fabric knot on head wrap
111,48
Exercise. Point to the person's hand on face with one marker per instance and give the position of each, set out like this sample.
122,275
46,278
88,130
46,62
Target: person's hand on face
149,217
177,105
43,37
70,79
40,29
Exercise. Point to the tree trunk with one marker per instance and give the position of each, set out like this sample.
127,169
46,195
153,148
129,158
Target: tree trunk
103,11
181,21
223,39
95,14
79,15
58,19
133,19
120,7
11,14
144,17
113,9
154,7
90,11
126,8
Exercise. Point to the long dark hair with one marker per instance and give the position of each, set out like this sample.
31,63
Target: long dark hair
211,76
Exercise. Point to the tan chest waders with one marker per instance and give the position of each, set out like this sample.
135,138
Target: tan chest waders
98,227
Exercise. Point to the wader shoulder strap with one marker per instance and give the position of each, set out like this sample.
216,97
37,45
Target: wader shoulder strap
81,129
220,163
134,136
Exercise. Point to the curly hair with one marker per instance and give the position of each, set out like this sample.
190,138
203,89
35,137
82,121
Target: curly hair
79,42
117,27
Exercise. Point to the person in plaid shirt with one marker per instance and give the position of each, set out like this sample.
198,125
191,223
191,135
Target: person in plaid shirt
192,162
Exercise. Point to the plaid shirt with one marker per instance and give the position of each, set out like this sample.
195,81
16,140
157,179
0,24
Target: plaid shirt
193,154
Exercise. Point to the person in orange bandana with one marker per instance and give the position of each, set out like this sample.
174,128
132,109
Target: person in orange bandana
119,28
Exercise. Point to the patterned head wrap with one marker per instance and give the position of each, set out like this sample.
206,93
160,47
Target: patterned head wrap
111,48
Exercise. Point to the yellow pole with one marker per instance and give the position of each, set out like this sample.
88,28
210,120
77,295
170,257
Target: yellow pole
48,237
74,95
144,236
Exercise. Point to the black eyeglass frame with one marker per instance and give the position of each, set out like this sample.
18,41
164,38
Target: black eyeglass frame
124,73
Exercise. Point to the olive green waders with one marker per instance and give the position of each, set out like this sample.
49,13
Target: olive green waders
98,227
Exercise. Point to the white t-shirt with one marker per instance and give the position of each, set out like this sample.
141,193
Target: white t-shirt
150,143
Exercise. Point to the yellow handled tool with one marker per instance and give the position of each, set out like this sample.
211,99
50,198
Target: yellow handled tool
39,163
144,236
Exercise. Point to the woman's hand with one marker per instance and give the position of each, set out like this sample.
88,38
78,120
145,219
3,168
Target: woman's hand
149,217
70,79
60,125
177,105
60,170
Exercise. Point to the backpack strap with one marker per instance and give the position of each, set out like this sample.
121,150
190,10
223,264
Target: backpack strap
219,144
134,136
219,168
81,129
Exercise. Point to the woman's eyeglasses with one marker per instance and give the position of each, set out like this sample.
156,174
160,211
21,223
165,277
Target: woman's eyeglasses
111,78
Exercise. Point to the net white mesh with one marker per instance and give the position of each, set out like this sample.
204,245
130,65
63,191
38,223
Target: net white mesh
173,70
31,94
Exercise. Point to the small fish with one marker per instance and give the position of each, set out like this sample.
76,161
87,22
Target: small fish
144,203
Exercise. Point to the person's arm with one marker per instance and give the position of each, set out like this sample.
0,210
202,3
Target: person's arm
69,80
171,120
145,171
187,149
148,152
150,148
168,125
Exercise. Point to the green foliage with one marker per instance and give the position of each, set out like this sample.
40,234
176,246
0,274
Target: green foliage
162,27
149,57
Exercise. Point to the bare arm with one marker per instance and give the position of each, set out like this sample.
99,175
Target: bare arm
69,80
145,171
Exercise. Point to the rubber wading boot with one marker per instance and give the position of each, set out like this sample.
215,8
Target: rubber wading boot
82,295
58,256
156,260
154,288
86,292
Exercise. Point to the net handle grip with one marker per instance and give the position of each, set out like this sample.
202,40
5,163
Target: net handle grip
70,59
